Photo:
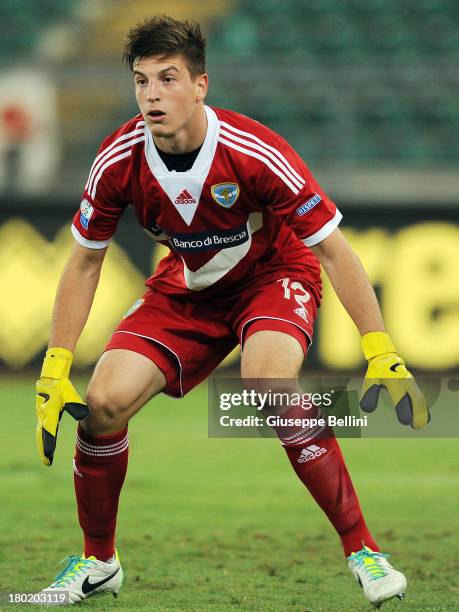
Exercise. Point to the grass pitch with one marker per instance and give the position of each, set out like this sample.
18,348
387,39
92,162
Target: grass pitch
220,524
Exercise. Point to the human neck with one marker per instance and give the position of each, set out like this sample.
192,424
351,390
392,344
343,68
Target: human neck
188,138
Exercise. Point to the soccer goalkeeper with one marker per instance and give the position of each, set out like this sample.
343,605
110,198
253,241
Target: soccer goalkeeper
248,227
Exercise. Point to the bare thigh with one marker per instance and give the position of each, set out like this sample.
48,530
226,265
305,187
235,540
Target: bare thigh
271,361
122,382
271,354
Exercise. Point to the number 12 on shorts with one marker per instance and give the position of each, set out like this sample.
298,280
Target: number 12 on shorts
300,295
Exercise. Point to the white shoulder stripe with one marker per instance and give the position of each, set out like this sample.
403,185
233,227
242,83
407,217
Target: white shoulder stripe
324,231
264,144
104,158
266,152
140,124
111,161
265,160
89,244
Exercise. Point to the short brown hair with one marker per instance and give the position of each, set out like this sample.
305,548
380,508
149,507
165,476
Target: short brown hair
164,36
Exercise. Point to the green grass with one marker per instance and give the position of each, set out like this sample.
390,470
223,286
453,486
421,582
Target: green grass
224,524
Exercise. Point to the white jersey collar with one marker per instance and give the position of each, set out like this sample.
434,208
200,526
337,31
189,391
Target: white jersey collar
184,189
202,162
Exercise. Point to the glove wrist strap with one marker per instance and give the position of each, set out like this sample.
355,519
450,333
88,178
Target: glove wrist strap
376,343
57,363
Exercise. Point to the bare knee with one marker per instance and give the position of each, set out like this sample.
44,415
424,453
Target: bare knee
272,395
108,413
271,354
123,382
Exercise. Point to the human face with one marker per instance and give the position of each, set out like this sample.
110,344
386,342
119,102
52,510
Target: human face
169,98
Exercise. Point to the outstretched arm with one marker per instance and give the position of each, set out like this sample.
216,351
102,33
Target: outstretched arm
75,295
350,282
385,367
54,391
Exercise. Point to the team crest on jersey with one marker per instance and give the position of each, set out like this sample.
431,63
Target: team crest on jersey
225,194
135,306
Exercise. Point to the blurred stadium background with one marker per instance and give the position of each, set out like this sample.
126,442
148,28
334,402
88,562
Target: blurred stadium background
366,91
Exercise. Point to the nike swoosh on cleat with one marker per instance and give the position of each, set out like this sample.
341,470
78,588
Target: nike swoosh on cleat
394,367
87,586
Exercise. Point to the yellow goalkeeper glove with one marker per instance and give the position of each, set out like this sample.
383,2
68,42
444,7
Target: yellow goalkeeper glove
55,393
386,369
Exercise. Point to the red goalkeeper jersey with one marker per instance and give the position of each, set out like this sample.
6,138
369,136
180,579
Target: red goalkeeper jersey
248,199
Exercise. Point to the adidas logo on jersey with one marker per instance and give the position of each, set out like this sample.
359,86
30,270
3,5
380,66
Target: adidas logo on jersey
185,197
301,312
310,453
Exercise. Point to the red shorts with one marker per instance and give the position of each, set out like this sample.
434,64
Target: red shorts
187,340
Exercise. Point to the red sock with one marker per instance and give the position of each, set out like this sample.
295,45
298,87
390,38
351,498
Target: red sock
317,459
99,469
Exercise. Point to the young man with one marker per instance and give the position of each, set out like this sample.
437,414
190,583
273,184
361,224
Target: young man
247,226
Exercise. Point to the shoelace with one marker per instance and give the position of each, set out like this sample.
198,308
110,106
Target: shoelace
369,562
74,567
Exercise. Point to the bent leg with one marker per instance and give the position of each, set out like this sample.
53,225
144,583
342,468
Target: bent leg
122,383
271,354
314,453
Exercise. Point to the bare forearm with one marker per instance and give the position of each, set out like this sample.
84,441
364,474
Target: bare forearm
74,298
351,283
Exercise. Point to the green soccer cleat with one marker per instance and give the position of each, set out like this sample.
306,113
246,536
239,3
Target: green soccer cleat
378,579
82,578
